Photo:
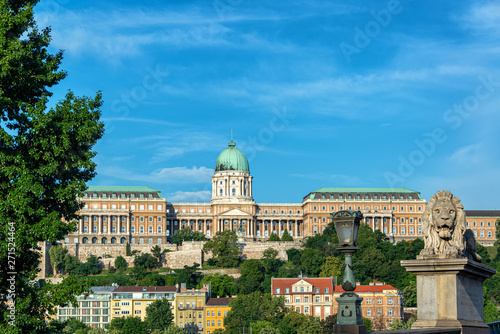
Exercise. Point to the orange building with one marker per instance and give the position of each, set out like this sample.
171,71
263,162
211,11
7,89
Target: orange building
317,297
141,215
216,309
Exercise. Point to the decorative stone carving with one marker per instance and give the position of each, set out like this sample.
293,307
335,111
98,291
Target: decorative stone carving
444,229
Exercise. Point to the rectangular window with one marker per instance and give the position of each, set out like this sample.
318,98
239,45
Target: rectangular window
287,290
306,299
277,291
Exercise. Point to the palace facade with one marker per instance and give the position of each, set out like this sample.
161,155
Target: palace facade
141,215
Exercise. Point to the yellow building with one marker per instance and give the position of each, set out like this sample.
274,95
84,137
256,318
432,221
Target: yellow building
216,309
190,308
133,300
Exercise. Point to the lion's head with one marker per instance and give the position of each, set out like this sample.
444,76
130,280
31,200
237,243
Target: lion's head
443,224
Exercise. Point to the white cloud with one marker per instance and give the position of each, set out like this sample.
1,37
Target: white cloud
168,176
190,196
183,174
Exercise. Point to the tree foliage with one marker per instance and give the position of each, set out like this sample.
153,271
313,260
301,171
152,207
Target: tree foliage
57,256
187,234
246,309
286,236
121,263
46,159
225,251
221,285
159,315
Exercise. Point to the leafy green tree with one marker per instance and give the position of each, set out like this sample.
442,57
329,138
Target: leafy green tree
71,264
221,285
311,261
173,329
332,267
368,323
72,325
246,309
258,325
57,254
156,251
90,267
399,325
121,263
274,237
252,276
190,275
127,250
269,330
225,251
117,323
410,294
328,324
46,158
96,330
270,259
133,325
491,312
159,315
146,261
187,234
294,255
286,236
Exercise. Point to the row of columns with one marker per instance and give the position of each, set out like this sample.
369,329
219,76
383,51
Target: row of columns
109,224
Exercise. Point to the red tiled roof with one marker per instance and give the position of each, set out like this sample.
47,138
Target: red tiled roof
148,289
367,288
218,301
317,282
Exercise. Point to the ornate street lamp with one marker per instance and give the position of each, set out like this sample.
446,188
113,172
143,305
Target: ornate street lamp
349,304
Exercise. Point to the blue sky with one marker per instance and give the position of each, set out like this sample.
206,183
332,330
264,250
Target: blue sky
357,94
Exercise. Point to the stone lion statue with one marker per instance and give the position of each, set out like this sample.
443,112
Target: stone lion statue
444,229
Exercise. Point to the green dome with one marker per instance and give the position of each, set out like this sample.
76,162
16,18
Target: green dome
232,159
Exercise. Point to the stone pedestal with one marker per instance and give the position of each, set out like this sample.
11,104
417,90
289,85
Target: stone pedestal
349,317
450,293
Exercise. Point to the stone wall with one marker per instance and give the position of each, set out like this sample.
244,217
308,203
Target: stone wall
84,251
189,253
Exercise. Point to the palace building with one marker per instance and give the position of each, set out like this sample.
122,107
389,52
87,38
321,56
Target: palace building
141,215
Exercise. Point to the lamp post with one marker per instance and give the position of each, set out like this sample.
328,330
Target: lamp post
349,318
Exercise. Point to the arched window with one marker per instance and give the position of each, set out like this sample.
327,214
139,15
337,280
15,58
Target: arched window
258,233
393,230
402,230
159,229
104,240
159,240
113,240
411,230
94,228
141,229
150,240
220,192
208,233
234,192
122,229
489,234
150,229
84,240
315,230
168,233
132,229
94,240
141,240
122,240
482,234
132,241
113,229
85,229
385,230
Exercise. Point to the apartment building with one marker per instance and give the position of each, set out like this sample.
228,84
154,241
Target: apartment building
190,308
216,309
317,297
93,309
133,300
